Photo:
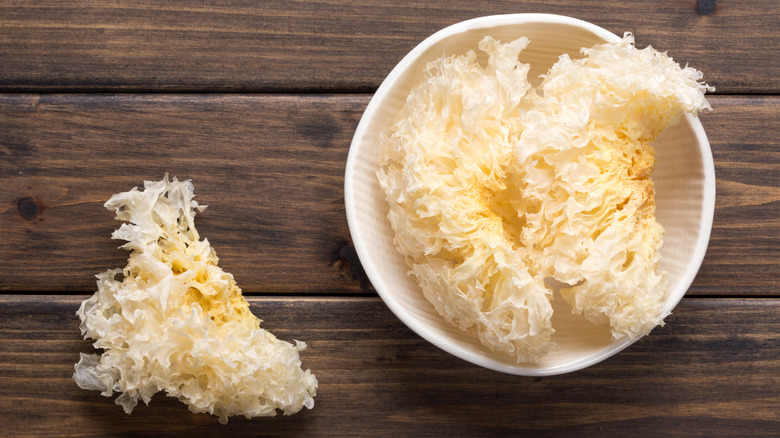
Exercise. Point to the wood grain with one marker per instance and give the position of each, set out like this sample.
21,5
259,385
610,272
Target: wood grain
338,45
700,375
270,167
743,256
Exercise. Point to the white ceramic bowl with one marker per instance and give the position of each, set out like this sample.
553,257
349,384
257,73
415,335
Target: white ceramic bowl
684,181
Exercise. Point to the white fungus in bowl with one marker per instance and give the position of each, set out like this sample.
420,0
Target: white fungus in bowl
174,321
495,188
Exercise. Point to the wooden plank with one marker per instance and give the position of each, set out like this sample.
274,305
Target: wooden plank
713,370
743,257
339,45
271,169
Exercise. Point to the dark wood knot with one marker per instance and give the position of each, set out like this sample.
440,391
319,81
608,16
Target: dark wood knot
348,265
705,7
28,208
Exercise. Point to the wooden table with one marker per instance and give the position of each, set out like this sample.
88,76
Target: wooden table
256,102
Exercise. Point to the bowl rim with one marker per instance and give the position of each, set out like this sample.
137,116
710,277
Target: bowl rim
372,270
